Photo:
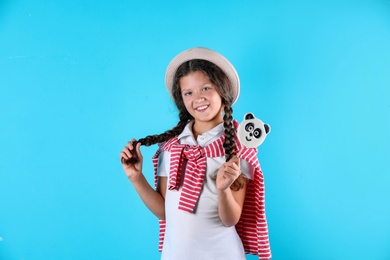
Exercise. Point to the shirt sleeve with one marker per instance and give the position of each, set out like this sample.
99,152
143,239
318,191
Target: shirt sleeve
163,164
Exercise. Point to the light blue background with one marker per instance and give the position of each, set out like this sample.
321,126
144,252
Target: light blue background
79,78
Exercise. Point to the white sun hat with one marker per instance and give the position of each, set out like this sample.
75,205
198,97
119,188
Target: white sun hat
203,54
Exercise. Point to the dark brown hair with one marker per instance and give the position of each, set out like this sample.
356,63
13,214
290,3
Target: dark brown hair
219,79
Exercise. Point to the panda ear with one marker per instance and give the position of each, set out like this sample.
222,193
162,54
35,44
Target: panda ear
267,128
249,116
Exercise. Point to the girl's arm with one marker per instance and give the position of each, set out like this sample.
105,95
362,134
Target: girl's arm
153,199
230,202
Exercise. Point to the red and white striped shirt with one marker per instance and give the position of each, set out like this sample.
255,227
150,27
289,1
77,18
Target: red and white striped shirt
252,227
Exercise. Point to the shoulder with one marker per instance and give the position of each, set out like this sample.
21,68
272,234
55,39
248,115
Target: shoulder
166,146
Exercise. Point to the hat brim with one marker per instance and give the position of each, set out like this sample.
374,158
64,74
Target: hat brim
203,54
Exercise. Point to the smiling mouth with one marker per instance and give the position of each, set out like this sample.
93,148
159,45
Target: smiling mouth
248,139
201,108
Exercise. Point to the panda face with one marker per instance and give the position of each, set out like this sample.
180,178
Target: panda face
252,131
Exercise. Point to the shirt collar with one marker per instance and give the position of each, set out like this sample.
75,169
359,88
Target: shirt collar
203,139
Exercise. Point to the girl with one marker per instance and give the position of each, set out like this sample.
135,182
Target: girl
210,203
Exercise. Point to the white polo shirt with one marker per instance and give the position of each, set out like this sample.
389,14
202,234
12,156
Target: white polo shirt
201,234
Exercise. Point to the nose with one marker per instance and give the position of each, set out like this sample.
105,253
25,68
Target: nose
199,99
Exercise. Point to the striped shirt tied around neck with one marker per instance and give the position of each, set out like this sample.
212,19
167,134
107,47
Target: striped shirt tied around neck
252,226
195,169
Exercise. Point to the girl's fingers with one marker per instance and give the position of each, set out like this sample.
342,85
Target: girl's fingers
232,167
130,152
123,157
235,166
232,170
130,147
236,160
126,150
130,144
138,150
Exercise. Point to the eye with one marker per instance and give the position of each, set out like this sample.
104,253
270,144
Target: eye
187,93
257,133
249,127
205,88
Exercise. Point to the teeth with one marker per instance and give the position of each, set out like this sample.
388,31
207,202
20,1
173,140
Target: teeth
201,108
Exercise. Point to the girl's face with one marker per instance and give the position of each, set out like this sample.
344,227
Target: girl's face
201,100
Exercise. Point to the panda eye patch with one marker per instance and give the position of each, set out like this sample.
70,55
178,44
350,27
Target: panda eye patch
257,133
249,127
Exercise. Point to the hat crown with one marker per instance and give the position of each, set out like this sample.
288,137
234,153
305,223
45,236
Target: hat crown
203,53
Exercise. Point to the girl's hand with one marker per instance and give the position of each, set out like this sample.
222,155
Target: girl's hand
132,170
228,173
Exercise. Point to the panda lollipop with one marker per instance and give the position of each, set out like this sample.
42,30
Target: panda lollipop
252,131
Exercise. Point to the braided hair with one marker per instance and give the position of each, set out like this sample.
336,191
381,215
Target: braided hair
224,88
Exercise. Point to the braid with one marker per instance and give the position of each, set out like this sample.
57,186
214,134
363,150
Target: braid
154,139
229,144
184,117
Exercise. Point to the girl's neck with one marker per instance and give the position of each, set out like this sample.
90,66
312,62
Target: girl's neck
198,128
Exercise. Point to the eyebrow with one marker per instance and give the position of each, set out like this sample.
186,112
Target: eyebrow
202,85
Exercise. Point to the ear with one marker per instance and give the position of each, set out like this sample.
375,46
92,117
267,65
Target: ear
267,128
249,116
